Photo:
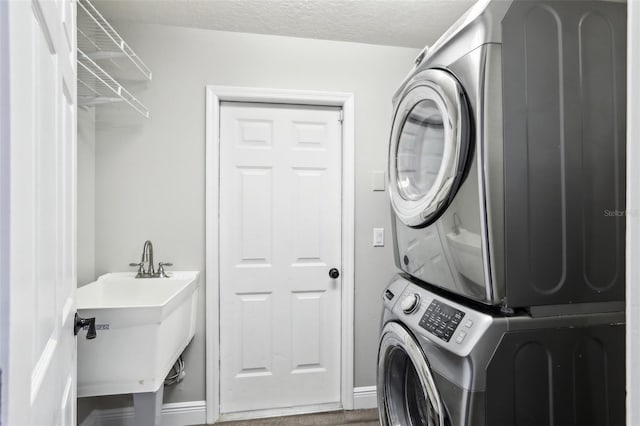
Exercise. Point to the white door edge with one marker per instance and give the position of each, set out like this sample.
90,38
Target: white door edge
214,96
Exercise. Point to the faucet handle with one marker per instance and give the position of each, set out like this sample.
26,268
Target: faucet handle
161,272
140,266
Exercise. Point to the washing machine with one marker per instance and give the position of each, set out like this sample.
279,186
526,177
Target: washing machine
444,362
507,156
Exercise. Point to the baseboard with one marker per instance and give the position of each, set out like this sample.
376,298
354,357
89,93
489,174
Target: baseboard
365,397
173,414
194,412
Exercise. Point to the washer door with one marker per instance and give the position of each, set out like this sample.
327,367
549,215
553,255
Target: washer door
429,145
407,394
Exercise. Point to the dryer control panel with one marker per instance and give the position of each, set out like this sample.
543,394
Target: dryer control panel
441,320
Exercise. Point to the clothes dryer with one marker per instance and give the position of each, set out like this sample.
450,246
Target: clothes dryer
507,156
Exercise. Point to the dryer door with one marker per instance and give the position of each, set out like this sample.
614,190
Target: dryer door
407,394
429,146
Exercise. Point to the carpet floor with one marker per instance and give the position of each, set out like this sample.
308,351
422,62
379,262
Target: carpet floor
333,418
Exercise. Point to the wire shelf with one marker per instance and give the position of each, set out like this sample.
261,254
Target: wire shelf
101,43
96,87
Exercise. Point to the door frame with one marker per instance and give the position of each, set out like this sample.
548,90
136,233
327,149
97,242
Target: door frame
214,96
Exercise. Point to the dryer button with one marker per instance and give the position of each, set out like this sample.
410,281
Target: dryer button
389,295
468,323
460,337
410,303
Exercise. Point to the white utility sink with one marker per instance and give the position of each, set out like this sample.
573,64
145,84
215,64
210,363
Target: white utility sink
143,325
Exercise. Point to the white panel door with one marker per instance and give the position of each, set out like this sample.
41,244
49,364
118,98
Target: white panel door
42,268
280,234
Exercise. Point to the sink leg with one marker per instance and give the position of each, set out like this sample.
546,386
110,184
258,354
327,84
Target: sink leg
148,406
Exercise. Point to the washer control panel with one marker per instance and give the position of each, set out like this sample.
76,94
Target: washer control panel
441,320
435,319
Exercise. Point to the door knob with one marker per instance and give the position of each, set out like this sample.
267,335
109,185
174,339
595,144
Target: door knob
85,322
334,273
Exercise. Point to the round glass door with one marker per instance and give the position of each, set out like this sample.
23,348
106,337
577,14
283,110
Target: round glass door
420,150
409,396
428,148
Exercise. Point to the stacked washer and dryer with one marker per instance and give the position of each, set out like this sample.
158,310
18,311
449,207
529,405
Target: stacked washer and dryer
507,185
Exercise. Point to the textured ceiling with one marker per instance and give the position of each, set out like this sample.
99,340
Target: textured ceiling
409,23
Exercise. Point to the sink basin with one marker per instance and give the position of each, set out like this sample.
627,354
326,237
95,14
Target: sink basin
143,325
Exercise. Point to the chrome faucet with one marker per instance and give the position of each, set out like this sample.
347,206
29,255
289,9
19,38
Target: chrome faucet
145,267
147,258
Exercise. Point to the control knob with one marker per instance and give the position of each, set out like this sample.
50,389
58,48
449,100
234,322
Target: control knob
410,303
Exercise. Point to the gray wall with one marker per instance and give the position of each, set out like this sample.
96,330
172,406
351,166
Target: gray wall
149,175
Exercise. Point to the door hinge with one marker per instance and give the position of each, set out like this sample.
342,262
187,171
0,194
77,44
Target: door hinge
341,116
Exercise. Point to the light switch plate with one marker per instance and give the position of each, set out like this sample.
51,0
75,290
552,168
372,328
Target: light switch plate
378,237
377,181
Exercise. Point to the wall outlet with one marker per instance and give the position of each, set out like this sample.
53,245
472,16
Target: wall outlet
378,237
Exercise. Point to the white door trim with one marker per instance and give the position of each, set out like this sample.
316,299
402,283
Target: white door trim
214,96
